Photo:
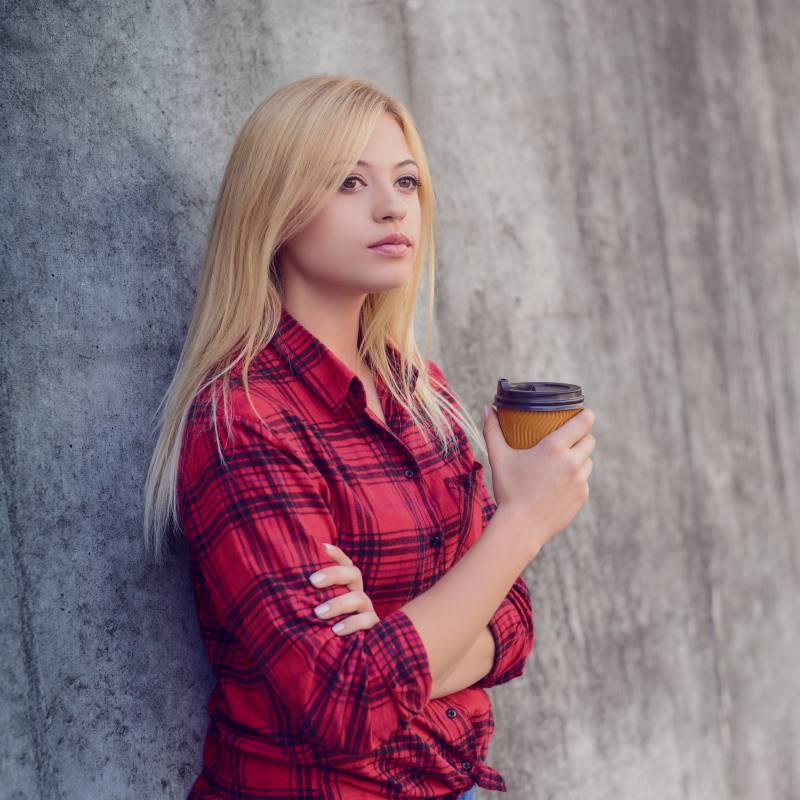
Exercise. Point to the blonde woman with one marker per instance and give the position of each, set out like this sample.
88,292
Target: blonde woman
357,588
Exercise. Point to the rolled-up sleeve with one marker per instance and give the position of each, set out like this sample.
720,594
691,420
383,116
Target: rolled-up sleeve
256,525
511,626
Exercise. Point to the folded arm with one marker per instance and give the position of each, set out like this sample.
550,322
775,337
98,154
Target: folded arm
257,526
501,649
473,666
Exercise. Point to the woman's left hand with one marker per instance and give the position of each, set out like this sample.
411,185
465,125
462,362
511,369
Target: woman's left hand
356,603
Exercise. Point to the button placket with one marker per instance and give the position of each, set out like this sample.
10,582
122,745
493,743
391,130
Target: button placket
358,399
461,735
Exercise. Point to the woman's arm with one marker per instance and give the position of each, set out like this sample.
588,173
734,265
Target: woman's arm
504,645
256,524
473,666
510,624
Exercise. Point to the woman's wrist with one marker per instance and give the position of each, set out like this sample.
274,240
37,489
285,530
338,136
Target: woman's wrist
518,532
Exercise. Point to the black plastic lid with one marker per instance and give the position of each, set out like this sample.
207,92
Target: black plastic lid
537,395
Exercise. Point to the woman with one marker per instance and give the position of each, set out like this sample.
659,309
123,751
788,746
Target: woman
304,433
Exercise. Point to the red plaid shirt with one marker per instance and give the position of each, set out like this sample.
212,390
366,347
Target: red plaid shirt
297,710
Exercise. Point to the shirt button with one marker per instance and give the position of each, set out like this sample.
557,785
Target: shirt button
465,765
436,540
409,473
451,712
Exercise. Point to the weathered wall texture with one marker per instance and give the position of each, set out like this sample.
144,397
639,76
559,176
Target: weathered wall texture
618,187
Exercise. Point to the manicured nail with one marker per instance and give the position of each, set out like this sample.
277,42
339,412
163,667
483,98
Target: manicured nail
327,546
321,609
337,627
317,577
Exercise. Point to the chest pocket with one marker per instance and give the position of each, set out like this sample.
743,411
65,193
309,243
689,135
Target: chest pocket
471,509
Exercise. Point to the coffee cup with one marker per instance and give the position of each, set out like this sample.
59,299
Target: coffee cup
528,411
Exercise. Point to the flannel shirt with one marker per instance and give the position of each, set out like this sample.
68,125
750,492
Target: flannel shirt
298,711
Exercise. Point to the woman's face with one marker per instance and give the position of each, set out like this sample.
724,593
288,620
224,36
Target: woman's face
379,197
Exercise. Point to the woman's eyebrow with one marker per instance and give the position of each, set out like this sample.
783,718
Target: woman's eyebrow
361,163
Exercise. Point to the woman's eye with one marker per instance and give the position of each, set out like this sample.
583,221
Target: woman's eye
350,178
415,182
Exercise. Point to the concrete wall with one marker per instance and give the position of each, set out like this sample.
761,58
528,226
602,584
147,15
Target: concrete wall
618,187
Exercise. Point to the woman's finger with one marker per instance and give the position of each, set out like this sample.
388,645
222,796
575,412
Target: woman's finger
337,554
356,622
343,604
343,575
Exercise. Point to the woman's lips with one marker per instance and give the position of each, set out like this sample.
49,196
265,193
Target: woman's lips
391,249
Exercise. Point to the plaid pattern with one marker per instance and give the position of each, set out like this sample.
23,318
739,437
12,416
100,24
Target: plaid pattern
298,711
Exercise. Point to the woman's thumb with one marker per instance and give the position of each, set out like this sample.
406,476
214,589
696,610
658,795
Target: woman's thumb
490,423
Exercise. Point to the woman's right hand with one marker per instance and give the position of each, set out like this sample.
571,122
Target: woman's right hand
546,484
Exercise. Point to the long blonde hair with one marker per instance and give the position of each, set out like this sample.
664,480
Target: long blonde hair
281,172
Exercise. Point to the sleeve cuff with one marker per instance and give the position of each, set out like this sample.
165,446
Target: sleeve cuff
511,627
401,658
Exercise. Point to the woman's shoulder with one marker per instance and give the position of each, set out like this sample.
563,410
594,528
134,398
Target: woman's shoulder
438,378
441,385
237,439
435,370
258,412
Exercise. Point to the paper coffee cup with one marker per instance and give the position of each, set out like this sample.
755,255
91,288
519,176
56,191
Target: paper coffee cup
528,411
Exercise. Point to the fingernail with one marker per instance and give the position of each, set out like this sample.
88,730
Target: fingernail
327,546
337,627
321,609
317,577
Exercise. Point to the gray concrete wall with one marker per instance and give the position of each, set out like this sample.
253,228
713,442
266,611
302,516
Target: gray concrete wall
618,187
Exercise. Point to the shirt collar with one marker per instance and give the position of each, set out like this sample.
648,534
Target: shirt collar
314,363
